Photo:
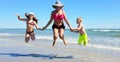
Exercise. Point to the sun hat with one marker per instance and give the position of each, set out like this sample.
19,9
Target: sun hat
57,4
31,13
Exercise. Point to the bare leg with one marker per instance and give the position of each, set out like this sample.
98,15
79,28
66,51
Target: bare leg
27,38
55,33
33,36
61,35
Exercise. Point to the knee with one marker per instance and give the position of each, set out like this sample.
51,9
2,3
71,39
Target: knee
55,37
61,36
27,39
33,39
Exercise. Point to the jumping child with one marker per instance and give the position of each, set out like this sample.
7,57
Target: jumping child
31,21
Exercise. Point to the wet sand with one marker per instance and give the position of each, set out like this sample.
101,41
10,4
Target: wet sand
42,51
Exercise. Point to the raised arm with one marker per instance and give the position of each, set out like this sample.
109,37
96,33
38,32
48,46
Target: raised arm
50,21
22,19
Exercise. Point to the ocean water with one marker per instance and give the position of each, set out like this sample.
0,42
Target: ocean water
99,38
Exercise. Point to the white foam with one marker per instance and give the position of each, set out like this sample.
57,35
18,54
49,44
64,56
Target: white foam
4,40
5,34
8,34
107,30
44,37
49,38
104,47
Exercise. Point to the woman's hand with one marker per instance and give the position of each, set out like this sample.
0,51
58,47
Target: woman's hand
43,28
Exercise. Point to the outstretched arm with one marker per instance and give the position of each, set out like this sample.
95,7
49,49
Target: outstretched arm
22,19
66,20
78,28
50,21
36,25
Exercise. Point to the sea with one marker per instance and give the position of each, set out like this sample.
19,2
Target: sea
99,38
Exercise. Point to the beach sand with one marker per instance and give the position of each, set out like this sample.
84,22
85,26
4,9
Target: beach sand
42,51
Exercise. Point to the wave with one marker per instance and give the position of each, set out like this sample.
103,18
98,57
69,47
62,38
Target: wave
8,34
44,38
104,47
50,38
107,30
4,39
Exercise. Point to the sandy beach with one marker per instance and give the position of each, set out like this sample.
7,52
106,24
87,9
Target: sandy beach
42,51
50,20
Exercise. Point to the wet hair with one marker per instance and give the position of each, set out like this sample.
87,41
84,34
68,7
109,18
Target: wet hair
34,18
26,15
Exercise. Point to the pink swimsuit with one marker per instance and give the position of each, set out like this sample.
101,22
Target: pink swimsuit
31,23
58,17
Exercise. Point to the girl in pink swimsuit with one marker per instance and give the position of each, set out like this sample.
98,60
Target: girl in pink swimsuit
31,21
58,15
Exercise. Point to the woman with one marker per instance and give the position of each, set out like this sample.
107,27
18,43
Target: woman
58,15
31,21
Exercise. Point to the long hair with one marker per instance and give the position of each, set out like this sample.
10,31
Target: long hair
34,18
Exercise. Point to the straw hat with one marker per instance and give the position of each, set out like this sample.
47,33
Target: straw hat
57,4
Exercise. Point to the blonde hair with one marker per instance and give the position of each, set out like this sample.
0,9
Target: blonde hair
79,19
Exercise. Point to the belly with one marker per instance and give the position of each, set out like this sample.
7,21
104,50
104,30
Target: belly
29,28
82,31
58,23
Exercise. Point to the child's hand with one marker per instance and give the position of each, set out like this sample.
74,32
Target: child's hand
17,15
71,29
43,28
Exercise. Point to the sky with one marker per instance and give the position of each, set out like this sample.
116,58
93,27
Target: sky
95,13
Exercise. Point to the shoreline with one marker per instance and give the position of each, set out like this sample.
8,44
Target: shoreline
43,51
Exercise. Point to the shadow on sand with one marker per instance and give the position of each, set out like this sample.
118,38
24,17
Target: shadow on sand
43,56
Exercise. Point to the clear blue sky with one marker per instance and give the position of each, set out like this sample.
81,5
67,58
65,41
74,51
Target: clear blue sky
95,13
